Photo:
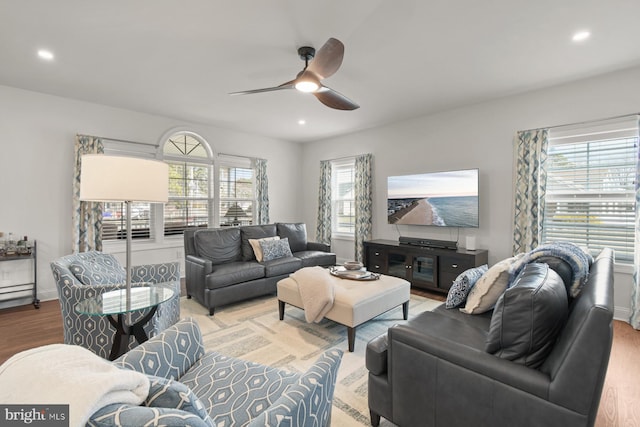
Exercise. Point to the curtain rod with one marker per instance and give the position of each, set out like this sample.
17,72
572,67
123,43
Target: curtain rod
237,155
583,122
121,140
341,158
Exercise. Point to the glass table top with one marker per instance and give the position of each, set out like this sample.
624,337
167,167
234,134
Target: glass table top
115,302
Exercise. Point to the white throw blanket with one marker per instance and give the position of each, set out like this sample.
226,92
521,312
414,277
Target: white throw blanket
316,291
69,374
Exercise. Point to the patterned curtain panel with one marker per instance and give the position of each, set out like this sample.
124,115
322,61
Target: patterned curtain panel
634,319
363,193
531,181
323,229
87,216
262,191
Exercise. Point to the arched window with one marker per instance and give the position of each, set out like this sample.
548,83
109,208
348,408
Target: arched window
191,194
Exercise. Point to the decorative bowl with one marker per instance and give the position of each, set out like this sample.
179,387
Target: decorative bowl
352,265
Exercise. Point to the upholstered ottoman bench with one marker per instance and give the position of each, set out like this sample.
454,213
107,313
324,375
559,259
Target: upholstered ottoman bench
355,302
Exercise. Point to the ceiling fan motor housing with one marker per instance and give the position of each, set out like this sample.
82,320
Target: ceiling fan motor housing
306,53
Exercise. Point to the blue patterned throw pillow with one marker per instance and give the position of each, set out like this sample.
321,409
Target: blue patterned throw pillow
98,270
463,284
273,249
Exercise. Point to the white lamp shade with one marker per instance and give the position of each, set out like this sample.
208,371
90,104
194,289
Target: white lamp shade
106,178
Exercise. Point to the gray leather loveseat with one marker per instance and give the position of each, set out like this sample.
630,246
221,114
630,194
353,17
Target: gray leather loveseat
221,267
438,370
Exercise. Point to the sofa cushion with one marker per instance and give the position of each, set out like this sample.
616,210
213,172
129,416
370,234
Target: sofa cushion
101,269
234,272
273,249
313,258
218,245
296,233
280,266
463,284
257,249
529,316
489,287
254,232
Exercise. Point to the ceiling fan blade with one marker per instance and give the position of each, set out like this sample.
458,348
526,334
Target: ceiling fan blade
287,85
333,99
327,59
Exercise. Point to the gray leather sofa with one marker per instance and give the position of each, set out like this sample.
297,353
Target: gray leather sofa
221,267
442,367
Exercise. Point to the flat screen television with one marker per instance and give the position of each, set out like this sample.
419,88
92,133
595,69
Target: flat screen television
444,199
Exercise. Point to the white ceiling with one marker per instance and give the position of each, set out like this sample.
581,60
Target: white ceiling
403,58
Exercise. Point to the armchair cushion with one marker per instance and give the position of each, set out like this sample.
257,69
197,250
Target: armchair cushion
238,384
529,316
296,233
98,270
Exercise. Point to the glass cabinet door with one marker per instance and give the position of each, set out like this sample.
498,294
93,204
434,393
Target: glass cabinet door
397,264
424,269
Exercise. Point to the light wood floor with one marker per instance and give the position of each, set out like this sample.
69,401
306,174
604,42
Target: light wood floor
24,327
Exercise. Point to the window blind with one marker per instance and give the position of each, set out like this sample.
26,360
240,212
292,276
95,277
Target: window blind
590,192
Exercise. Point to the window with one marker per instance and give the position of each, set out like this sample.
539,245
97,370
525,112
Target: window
198,196
189,183
237,191
343,199
590,193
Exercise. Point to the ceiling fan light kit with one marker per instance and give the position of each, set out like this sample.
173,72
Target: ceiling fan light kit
326,62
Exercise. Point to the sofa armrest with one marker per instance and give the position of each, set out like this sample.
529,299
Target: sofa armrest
376,355
308,401
451,340
315,246
169,354
156,273
204,266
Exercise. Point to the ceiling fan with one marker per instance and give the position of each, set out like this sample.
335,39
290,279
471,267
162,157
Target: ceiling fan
325,62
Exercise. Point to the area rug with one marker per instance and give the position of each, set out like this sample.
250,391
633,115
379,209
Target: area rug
252,331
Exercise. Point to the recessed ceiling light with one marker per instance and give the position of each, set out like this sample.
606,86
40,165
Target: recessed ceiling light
45,54
581,36
302,122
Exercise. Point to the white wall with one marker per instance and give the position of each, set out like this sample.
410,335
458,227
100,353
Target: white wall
37,134
478,136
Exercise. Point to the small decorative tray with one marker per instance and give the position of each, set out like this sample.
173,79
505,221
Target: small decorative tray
361,275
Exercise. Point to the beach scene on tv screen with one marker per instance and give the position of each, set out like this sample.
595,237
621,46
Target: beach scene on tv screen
446,199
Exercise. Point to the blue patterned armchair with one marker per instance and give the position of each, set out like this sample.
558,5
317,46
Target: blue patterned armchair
87,274
192,387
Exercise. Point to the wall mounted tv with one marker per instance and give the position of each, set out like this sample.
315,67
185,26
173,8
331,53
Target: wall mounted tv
445,199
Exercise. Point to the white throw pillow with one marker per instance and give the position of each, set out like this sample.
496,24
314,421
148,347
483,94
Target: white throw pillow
484,295
257,249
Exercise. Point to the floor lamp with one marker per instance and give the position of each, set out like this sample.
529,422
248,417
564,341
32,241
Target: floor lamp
106,178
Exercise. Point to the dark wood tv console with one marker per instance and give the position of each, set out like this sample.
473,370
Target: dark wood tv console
427,268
